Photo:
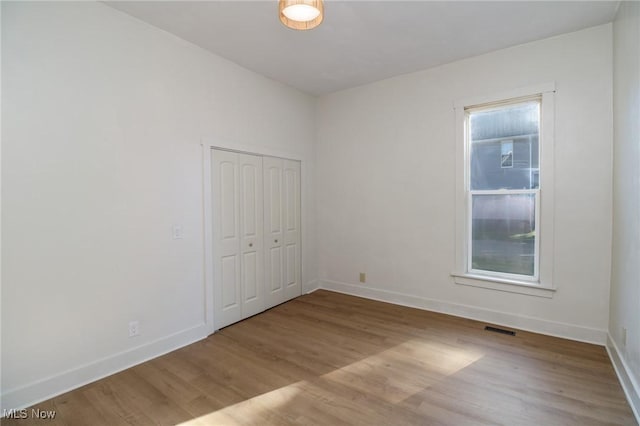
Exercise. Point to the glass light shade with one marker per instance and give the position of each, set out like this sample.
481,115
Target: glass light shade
301,14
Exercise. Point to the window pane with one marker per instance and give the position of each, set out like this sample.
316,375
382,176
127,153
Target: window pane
503,233
504,147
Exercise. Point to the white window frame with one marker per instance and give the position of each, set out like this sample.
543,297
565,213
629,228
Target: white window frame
541,283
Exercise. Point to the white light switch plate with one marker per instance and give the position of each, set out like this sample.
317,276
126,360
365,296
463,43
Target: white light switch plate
177,232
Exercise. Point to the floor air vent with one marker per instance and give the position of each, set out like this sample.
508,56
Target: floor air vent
500,330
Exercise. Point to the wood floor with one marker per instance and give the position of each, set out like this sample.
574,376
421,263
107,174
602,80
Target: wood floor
331,359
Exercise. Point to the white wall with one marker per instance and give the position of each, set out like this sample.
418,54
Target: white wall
625,271
386,196
102,122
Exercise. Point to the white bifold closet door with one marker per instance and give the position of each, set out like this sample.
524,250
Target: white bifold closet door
237,191
256,234
282,230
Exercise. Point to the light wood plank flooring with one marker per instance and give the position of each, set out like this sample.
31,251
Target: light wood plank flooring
331,359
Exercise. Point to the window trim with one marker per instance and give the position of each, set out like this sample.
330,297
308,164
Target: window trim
542,283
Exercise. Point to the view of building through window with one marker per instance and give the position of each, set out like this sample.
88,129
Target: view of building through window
503,187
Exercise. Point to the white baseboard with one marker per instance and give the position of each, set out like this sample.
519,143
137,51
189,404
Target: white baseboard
49,387
625,376
536,325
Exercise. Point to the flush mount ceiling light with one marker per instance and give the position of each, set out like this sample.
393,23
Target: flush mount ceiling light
301,14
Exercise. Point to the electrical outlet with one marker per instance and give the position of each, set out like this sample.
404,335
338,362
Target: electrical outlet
134,328
624,336
363,277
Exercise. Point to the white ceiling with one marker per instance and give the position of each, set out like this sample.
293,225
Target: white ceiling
363,41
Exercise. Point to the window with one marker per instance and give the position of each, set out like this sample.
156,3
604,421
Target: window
505,167
503,197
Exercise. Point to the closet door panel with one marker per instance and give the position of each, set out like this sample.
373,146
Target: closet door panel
276,270
273,238
229,271
226,241
275,195
291,211
290,262
250,267
251,229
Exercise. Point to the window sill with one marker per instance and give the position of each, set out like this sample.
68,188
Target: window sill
500,284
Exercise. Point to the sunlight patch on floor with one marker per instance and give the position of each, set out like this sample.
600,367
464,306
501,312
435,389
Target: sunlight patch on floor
390,375
393,371
250,411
